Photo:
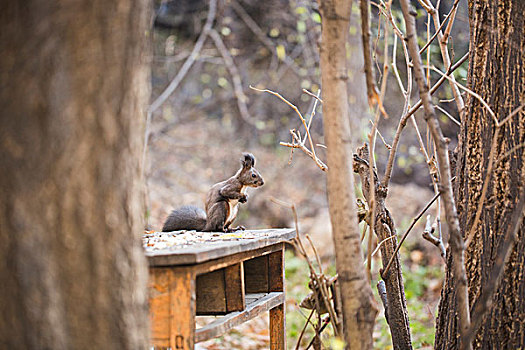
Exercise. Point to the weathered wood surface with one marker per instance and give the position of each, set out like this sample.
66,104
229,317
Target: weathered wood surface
205,251
172,308
256,275
211,293
234,281
277,328
259,305
276,271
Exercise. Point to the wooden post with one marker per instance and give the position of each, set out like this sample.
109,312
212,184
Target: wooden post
172,308
277,314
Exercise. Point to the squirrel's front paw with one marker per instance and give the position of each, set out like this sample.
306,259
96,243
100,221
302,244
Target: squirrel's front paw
243,199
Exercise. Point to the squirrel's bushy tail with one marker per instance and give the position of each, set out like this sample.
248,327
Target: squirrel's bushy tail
185,218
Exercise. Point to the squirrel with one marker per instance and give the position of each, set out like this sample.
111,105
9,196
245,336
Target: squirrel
222,203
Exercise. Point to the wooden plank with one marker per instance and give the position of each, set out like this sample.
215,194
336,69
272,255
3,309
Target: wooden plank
277,328
256,275
234,283
206,251
276,270
233,259
224,324
172,308
211,293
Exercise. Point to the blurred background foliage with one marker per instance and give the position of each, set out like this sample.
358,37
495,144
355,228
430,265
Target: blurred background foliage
196,137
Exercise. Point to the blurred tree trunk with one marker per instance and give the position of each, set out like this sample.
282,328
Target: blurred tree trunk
359,309
74,85
497,73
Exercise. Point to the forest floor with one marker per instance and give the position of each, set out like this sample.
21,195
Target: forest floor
186,159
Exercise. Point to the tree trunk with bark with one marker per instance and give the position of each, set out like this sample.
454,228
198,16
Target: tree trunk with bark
359,308
497,73
74,86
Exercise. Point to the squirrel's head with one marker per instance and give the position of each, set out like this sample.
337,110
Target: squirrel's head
249,176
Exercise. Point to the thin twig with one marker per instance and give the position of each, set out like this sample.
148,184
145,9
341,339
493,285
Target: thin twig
298,344
404,119
451,14
438,242
414,221
444,50
381,243
477,96
312,150
317,99
313,274
448,115
298,144
314,95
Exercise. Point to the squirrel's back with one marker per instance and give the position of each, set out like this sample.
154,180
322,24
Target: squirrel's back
185,218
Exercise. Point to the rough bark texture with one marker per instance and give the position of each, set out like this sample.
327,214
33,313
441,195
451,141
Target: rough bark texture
497,73
359,308
396,308
73,89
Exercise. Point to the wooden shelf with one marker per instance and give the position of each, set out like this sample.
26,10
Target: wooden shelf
256,303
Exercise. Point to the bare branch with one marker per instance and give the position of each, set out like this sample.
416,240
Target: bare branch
414,221
310,152
456,238
444,49
371,88
448,115
404,119
477,96
438,242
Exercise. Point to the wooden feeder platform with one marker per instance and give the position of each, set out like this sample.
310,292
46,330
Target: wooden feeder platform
236,275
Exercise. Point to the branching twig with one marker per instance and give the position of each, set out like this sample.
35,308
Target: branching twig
438,242
311,152
404,119
477,96
319,279
414,221
444,48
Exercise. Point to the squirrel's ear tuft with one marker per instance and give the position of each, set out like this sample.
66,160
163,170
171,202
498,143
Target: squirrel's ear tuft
248,160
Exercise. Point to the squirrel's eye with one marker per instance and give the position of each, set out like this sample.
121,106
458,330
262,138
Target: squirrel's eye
253,175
